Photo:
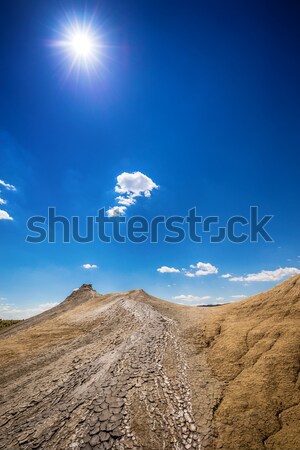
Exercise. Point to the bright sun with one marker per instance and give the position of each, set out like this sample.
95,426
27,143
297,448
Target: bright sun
80,46
81,43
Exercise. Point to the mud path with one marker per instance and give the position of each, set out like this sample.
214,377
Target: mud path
122,385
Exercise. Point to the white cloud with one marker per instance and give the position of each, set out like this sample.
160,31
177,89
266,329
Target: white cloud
89,266
4,215
268,275
190,298
165,269
7,186
48,305
15,312
135,184
226,275
131,186
126,201
116,211
198,270
189,274
239,296
220,298
201,269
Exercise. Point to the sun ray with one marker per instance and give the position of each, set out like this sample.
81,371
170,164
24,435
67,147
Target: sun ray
80,46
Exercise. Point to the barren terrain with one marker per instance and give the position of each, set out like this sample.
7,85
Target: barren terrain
129,371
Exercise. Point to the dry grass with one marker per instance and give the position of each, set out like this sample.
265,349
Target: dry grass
7,323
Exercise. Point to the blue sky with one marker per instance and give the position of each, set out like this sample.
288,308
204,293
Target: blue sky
201,98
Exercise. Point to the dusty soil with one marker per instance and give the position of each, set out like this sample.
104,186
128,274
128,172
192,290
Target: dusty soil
129,371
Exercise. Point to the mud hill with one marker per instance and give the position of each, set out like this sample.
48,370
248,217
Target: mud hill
130,371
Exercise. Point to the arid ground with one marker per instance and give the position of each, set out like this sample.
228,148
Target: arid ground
130,371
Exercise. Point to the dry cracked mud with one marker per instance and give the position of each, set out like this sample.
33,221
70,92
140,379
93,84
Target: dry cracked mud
129,371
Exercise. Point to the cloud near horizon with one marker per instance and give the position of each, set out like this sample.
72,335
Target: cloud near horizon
13,312
89,266
268,275
190,298
198,270
130,186
166,269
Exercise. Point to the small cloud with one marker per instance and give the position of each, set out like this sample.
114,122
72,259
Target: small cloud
135,184
116,211
189,274
126,201
201,269
239,296
166,269
268,275
7,186
45,306
197,270
130,186
89,266
220,298
190,298
226,275
4,215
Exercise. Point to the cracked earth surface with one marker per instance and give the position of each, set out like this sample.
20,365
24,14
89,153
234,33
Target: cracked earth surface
98,391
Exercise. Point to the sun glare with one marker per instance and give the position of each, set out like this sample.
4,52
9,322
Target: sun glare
80,46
